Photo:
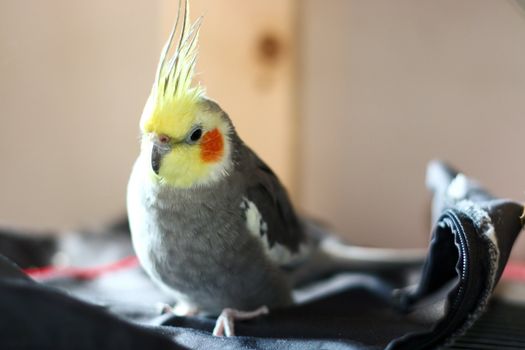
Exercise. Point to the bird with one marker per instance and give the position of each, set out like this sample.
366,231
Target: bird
211,223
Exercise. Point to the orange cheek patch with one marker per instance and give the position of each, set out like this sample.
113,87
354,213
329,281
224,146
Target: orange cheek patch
212,146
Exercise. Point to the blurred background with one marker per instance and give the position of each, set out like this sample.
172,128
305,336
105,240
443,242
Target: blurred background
346,99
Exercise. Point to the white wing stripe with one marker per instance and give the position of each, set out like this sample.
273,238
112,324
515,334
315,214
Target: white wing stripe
258,228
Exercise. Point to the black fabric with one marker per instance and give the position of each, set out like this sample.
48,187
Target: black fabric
469,247
28,250
500,328
465,267
36,317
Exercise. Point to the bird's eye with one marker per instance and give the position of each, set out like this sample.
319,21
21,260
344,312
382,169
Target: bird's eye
195,135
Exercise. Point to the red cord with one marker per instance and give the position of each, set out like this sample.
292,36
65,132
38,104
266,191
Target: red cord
83,273
513,271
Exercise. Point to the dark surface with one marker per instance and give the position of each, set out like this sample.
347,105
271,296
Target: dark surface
38,316
350,311
500,328
34,317
27,249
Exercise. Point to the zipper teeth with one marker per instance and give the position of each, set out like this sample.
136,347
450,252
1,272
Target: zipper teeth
455,222
464,272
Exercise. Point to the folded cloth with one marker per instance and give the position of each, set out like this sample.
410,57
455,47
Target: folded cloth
471,243
106,301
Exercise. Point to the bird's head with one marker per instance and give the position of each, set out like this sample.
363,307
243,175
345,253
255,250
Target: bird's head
185,136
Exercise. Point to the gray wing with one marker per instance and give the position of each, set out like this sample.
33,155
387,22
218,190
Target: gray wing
271,217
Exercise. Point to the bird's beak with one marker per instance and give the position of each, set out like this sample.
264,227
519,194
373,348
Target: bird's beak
157,152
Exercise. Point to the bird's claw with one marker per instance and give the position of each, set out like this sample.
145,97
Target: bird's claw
225,324
180,309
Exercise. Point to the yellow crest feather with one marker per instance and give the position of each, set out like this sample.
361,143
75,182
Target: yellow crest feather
172,89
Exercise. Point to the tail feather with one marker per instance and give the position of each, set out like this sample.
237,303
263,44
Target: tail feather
331,255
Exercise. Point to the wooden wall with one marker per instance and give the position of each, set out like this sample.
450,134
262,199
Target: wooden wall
389,85
74,79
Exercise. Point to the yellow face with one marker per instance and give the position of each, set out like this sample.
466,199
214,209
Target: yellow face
185,142
185,139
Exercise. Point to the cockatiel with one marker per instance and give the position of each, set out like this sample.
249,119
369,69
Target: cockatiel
211,224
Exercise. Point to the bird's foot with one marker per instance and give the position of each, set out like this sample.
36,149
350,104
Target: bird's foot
225,325
180,309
